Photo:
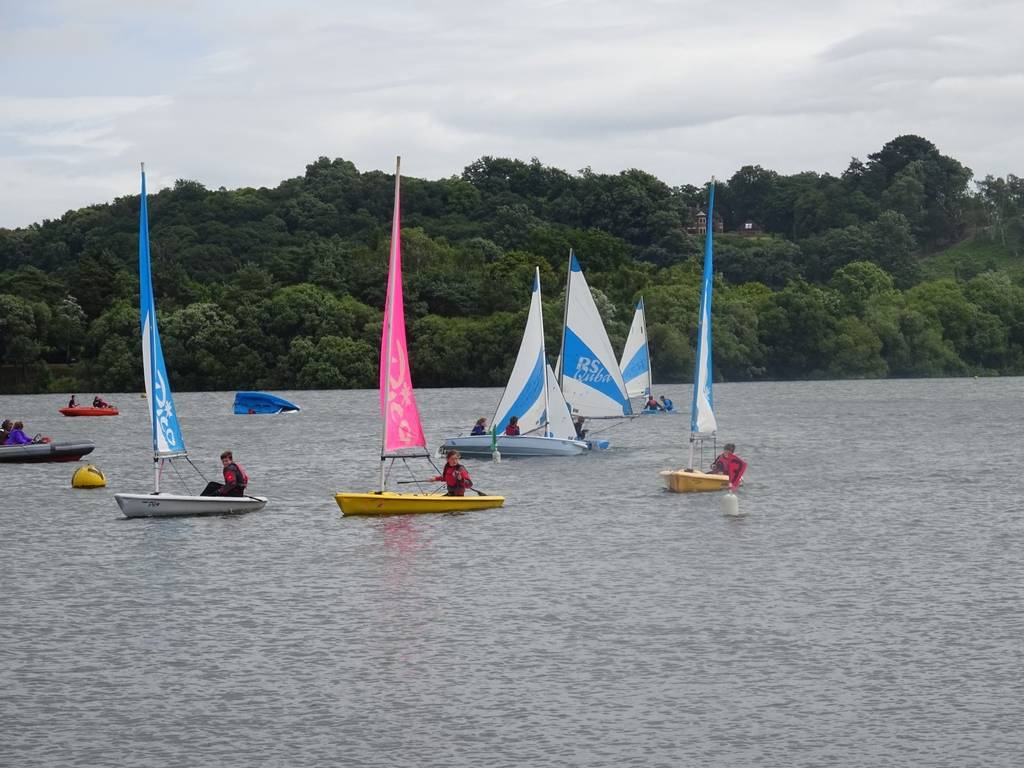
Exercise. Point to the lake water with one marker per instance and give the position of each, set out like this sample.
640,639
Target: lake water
865,611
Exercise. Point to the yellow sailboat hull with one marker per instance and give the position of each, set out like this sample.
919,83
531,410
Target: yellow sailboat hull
389,503
693,481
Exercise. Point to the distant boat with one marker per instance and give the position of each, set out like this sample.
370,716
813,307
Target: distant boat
532,395
703,425
168,443
588,372
635,364
40,452
263,402
401,430
88,410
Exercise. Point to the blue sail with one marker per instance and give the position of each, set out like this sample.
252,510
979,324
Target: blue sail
167,439
702,412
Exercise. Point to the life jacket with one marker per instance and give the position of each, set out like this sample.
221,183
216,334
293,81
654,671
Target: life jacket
733,466
240,477
512,430
457,479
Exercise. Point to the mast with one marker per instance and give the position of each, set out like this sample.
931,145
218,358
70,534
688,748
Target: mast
148,339
703,400
389,318
565,322
647,346
543,354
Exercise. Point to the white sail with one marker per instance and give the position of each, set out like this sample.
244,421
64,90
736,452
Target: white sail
559,421
589,374
636,359
702,411
524,393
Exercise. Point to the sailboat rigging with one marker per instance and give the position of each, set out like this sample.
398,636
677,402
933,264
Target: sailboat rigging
703,424
533,395
402,435
168,441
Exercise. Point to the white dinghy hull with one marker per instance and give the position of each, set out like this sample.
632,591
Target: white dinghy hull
522,445
172,505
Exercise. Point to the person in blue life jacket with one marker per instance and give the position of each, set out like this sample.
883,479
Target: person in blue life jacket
235,479
666,403
480,428
454,475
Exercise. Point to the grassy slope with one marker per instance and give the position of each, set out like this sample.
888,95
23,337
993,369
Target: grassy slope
971,257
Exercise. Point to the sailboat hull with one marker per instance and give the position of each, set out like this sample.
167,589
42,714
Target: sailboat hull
692,481
522,445
171,505
388,503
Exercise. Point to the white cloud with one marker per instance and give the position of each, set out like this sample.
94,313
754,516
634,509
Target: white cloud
247,93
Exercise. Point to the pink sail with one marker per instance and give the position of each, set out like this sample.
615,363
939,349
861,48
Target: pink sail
402,428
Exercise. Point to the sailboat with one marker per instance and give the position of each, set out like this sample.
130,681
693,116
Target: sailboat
401,429
532,394
636,361
168,443
703,424
588,373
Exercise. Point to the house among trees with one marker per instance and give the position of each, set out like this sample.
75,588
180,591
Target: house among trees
700,226
749,229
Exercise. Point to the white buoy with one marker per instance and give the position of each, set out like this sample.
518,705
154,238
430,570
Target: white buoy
730,503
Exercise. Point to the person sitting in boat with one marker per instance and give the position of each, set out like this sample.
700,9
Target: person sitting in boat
512,430
235,479
99,402
666,404
17,435
72,403
581,433
652,404
5,430
480,428
728,463
454,475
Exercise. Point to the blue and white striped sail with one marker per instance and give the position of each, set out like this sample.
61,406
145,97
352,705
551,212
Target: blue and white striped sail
636,359
589,373
702,411
524,394
167,439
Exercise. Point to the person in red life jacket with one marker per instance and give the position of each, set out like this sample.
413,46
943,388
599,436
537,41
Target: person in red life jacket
455,476
728,463
513,427
652,404
99,402
235,479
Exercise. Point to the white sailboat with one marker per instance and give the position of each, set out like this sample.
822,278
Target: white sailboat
168,443
402,435
532,394
587,371
635,364
703,425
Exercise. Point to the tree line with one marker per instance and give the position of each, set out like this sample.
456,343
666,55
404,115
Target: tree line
283,288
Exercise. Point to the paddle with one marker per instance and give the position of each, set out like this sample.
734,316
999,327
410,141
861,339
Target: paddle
432,480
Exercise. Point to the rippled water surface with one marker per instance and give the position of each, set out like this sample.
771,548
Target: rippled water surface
866,610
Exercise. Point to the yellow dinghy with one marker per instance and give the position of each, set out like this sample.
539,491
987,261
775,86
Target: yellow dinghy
693,481
389,503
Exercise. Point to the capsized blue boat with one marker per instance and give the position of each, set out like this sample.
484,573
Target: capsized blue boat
262,402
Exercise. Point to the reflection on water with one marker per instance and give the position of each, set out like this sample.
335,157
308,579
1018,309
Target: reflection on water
863,610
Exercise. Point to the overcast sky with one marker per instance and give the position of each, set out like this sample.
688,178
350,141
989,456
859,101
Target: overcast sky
247,92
